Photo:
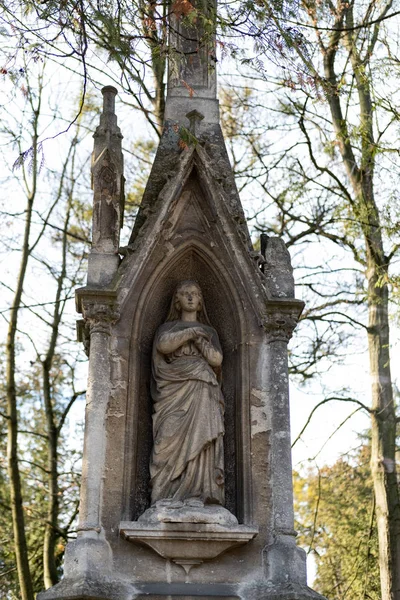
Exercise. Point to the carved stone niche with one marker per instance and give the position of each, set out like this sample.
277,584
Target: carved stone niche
195,230
191,241
189,544
181,525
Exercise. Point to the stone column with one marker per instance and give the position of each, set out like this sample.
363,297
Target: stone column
98,318
285,562
90,554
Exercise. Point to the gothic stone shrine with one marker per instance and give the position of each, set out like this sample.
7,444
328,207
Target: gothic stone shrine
187,481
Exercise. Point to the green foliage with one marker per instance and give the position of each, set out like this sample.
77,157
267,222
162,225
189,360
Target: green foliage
186,138
335,518
33,459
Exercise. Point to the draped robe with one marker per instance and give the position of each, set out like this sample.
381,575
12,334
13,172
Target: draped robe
187,457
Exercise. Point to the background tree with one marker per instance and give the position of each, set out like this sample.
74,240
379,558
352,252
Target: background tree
320,178
335,517
41,469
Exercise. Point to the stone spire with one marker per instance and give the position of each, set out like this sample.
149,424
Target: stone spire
108,193
191,74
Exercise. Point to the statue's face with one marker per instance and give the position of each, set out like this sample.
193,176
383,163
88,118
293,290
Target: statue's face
189,298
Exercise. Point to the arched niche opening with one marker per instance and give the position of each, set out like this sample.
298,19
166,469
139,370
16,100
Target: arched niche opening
192,261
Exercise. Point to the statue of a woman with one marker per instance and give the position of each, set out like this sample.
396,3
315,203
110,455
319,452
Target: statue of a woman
187,463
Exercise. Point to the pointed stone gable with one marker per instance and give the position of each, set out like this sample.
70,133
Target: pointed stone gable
172,166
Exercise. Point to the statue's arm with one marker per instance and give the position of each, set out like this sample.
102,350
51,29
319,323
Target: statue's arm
170,341
211,351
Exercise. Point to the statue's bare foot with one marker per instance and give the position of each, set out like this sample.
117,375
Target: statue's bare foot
194,502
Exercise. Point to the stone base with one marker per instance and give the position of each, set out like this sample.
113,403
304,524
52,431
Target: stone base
187,544
286,591
253,591
87,589
284,561
91,590
88,572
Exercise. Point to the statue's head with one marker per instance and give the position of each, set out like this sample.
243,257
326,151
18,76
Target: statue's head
187,295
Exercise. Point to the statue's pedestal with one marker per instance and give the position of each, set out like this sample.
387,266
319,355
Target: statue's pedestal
187,544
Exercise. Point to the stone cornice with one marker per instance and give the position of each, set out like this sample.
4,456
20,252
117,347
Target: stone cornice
281,318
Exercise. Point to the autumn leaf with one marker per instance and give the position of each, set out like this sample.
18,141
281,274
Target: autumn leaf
182,7
189,89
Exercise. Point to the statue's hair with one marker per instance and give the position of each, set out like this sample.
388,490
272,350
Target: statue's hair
174,313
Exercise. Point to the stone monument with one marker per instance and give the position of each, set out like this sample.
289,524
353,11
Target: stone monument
187,479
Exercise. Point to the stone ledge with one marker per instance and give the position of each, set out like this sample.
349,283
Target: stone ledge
88,589
264,590
187,544
184,591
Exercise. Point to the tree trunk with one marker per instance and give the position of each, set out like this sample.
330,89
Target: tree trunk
366,213
383,430
53,431
18,517
50,533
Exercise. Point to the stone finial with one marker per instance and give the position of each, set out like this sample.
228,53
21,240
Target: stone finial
277,267
109,92
108,193
195,118
108,133
191,69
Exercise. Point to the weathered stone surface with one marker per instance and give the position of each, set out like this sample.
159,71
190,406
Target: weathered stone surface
212,514
261,590
90,588
108,194
102,268
88,574
187,544
190,226
277,267
173,166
